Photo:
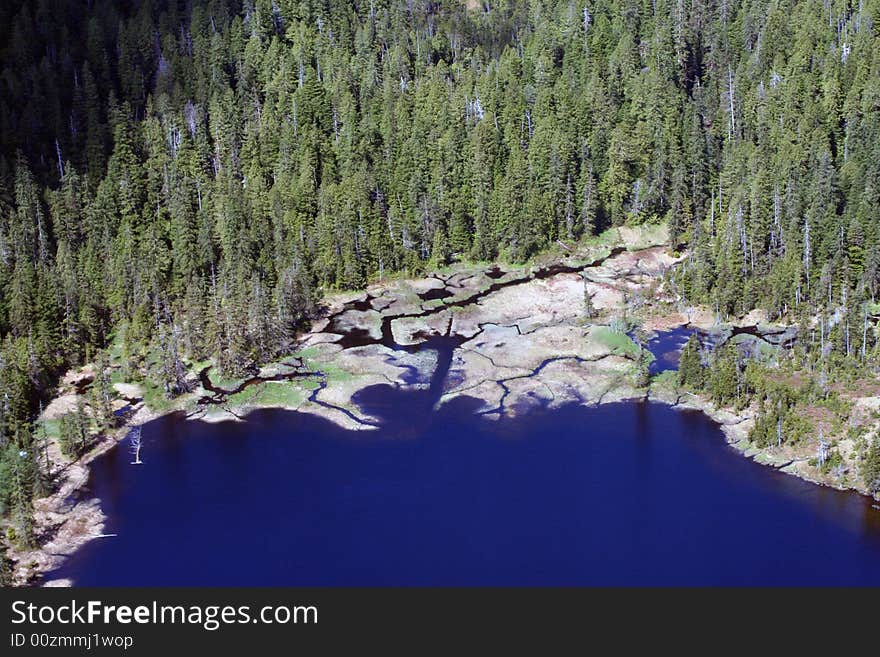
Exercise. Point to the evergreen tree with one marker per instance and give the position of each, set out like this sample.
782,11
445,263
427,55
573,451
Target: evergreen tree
5,567
871,467
102,395
192,176
723,381
690,365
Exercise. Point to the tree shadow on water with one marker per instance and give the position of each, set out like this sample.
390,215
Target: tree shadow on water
408,412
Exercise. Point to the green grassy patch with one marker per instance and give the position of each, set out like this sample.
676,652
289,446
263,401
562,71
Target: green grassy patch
281,393
271,393
652,233
311,359
307,353
154,397
199,365
114,349
52,428
336,374
620,344
223,382
667,380
246,396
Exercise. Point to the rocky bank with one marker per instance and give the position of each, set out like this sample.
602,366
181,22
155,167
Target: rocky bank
513,338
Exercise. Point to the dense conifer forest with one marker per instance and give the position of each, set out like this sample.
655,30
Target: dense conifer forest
188,177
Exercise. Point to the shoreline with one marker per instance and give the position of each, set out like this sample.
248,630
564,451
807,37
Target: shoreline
85,521
70,518
518,339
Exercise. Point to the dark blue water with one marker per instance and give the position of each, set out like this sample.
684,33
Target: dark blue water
624,494
666,347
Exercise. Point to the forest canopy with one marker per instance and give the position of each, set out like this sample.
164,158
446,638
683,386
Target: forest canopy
191,175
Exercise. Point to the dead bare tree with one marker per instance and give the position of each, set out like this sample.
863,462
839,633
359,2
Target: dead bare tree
822,450
135,448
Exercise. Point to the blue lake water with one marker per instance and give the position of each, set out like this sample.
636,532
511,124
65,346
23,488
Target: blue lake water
624,494
666,347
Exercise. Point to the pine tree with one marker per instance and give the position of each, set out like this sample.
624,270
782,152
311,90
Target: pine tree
871,467
5,567
724,376
22,493
190,178
102,395
691,373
